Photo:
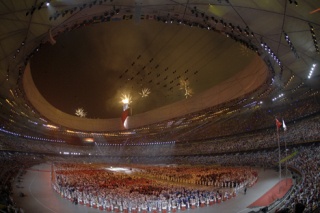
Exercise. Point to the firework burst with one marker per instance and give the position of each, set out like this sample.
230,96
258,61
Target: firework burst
81,113
244,50
145,92
184,85
126,99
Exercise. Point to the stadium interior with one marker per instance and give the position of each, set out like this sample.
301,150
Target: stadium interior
170,105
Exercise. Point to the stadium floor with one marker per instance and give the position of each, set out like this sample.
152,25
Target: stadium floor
40,197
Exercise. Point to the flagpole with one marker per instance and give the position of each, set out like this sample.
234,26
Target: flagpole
285,145
278,124
286,151
279,153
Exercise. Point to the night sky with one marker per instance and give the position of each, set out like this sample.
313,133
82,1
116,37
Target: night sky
92,66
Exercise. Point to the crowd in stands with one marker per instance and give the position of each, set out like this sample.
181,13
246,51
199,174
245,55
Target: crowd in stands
307,192
298,132
12,167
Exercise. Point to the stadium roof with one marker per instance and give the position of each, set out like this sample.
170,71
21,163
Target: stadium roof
126,40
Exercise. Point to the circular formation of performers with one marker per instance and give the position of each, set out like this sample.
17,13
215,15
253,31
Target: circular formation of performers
149,188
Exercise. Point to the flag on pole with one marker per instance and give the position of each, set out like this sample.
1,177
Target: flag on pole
124,115
278,124
284,125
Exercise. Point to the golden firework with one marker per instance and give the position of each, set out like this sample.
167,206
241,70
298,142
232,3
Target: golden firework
80,112
145,92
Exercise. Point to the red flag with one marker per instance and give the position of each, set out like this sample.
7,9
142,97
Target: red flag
278,124
124,115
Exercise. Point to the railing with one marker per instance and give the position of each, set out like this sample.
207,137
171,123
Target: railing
279,202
